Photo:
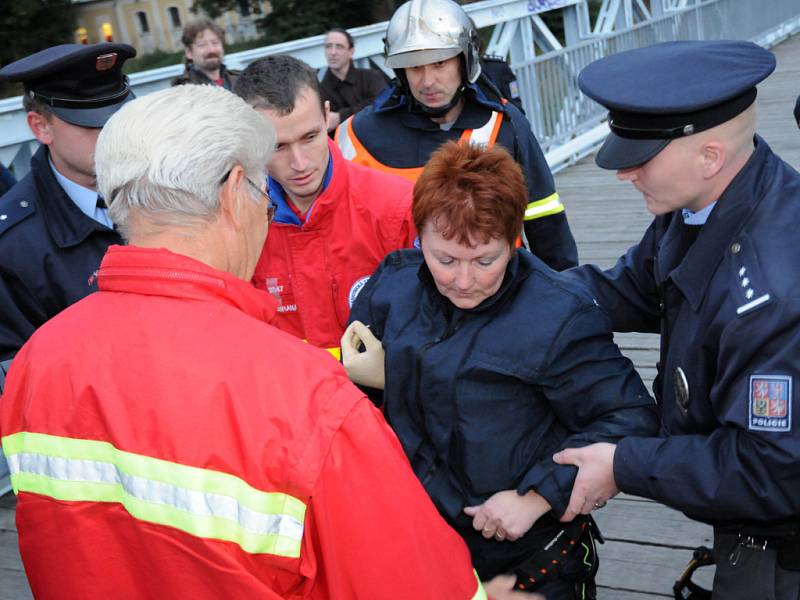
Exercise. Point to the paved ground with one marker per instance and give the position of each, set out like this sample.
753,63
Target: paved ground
648,544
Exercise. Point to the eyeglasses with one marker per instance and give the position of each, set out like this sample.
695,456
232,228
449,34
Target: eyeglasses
271,206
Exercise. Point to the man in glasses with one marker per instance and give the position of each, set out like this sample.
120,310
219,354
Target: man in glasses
54,229
345,86
335,220
166,441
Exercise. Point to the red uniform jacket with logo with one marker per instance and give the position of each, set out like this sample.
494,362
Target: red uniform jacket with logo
315,270
166,442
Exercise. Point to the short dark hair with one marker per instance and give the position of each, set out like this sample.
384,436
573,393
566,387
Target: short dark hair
345,33
198,26
32,104
274,82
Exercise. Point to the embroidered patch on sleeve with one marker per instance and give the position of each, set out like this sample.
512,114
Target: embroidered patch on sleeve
770,403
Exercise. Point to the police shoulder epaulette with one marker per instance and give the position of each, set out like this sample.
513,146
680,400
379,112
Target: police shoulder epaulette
14,209
749,286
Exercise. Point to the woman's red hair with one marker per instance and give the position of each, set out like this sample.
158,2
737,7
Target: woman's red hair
471,194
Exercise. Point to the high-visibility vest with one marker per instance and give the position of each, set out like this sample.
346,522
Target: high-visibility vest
353,150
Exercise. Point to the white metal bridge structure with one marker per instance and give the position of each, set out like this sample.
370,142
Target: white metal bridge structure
567,124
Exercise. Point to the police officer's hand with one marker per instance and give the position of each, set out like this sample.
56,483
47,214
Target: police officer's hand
594,484
502,588
363,356
506,515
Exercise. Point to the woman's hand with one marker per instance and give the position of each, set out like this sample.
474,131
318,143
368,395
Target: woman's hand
364,368
506,515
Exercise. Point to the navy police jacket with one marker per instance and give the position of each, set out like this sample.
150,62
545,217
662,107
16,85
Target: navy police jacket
728,310
481,399
49,250
403,139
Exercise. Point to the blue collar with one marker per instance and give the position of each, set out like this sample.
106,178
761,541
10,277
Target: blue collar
84,198
700,217
284,214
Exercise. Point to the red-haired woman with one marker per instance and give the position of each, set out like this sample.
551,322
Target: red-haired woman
490,362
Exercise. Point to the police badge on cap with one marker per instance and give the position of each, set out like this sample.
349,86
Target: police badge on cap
82,85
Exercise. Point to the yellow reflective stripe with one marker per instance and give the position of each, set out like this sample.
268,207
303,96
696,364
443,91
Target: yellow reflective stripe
202,502
480,594
544,208
335,352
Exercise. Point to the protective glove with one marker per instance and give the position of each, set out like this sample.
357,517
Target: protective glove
363,367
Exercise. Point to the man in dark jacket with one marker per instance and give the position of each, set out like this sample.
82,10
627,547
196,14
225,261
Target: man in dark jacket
203,41
441,95
53,227
347,88
716,274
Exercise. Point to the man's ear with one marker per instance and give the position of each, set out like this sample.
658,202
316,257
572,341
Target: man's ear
41,127
230,197
714,154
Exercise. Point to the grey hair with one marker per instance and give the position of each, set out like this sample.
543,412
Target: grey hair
165,155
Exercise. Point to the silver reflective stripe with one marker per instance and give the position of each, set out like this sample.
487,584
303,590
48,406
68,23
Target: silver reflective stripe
202,502
157,492
344,141
483,135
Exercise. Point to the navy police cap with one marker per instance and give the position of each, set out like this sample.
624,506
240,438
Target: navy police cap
82,85
671,90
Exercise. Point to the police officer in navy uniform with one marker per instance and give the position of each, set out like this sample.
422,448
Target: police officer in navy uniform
500,74
716,273
53,227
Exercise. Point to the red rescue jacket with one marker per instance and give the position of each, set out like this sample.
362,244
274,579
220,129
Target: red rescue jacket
165,442
316,270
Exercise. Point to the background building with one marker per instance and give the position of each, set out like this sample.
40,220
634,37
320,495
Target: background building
150,25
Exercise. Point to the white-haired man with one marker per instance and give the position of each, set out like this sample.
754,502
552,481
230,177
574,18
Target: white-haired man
165,441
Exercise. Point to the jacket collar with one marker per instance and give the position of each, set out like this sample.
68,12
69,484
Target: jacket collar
335,180
332,80
191,71
159,272
65,222
693,275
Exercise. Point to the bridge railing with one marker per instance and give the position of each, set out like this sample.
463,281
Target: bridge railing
567,124
570,125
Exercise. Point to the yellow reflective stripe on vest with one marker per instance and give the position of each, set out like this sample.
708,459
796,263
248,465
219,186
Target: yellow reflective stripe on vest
480,594
544,208
201,502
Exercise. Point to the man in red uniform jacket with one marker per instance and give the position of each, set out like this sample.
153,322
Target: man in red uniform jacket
335,220
166,442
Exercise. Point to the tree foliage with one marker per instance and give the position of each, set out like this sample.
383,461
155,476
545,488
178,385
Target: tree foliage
296,19
27,26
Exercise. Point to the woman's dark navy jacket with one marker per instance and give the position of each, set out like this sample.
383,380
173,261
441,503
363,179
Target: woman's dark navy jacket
482,398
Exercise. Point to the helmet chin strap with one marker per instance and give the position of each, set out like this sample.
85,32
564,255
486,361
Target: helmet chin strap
415,105
439,111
